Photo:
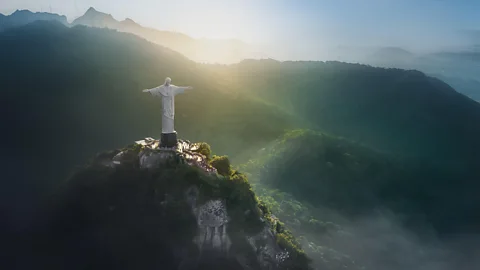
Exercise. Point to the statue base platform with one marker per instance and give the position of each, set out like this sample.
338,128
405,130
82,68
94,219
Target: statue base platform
168,140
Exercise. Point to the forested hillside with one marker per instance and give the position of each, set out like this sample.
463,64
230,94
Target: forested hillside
400,111
354,207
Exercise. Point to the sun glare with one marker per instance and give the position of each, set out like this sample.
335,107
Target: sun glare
212,24
217,23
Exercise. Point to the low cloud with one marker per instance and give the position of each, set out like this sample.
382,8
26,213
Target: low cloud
380,241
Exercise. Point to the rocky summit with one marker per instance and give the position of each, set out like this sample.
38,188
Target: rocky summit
143,207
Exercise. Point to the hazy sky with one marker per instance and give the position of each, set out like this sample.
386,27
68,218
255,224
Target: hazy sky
303,27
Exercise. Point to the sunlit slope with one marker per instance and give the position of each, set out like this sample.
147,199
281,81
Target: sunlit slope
90,80
71,92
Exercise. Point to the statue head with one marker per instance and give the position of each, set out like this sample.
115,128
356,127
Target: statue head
168,81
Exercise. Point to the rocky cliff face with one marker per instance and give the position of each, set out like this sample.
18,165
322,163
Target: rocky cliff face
148,208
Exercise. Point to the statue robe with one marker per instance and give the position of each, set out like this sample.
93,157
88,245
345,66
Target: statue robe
167,93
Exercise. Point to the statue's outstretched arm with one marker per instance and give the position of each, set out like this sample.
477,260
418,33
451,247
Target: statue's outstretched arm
156,91
181,89
150,90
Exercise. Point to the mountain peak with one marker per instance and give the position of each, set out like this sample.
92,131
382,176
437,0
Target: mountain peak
21,11
129,20
129,23
186,180
91,9
96,18
93,12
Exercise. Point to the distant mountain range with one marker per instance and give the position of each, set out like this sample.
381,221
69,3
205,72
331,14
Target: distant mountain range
466,86
461,69
22,17
436,60
224,51
392,54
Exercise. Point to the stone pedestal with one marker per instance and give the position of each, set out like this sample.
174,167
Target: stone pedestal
168,140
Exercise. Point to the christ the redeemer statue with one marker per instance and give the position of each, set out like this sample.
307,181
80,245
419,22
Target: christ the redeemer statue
167,92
